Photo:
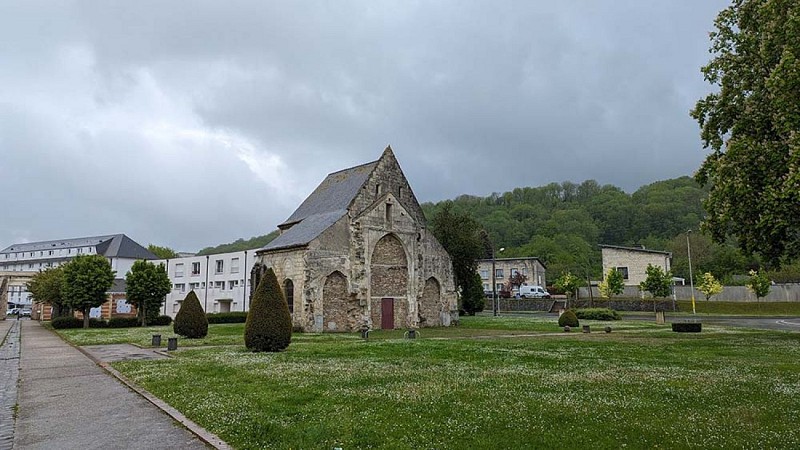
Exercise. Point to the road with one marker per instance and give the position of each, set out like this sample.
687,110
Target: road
757,322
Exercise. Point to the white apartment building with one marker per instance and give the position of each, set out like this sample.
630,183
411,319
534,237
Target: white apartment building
504,268
19,262
221,282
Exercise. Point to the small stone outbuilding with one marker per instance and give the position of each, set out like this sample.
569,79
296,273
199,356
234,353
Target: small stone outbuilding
357,253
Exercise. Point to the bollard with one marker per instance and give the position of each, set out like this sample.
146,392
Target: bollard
411,334
365,333
608,329
172,344
567,328
586,329
156,340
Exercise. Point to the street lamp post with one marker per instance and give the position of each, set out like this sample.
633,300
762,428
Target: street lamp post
691,278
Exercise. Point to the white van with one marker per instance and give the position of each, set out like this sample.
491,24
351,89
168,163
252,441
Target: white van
526,291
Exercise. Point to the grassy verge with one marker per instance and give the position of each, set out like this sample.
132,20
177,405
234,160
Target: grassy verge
742,308
643,388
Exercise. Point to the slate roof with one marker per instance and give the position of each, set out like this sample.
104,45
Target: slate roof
326,205
112,246
118,287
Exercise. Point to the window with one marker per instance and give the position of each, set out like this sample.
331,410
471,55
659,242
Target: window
498,273
180,287
220,266
623,271
195,268
388,213
484,274
499,286
219,285
176,306
178,270
485,287
194,286
232,284
80,250
378,188
49,252
235,265
514,271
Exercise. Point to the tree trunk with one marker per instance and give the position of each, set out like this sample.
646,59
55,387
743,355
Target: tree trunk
143,312
86,316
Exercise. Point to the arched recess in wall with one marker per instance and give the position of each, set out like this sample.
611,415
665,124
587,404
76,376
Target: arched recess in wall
337,312
288,292
430,304
389,283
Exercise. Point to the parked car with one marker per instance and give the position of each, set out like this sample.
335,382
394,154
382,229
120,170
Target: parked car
12,311
25,313
526,291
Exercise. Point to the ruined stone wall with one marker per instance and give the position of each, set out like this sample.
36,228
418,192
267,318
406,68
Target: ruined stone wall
436,263
388,178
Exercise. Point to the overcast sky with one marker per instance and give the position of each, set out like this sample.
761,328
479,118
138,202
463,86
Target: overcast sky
190,124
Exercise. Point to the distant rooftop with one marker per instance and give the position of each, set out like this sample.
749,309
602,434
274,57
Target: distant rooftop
112,245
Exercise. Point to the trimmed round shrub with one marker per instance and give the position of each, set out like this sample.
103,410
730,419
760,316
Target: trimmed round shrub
191,320
124,322
568,318
269,325
230,317
160,321
597,314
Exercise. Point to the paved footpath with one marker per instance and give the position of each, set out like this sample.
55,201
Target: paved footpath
67,402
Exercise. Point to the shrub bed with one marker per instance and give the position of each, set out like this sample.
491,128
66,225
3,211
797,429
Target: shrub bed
625,304
597,314
687,327
230,317
160,321
61,323
123,322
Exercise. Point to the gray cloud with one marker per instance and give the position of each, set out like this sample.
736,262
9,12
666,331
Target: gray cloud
193,123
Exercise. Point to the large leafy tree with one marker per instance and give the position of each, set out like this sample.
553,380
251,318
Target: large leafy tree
460,235
752,125
45,287
613,284
85,282
147,284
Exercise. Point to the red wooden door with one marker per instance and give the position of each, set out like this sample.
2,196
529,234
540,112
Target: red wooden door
387,313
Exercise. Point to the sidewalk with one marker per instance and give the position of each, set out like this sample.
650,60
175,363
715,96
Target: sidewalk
67,402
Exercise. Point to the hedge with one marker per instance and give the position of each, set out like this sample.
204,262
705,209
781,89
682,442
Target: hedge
61,323
124,322
229,317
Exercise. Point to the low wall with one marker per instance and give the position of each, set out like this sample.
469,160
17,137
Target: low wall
789,292
619,304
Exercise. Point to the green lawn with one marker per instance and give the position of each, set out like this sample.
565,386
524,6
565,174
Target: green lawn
641,386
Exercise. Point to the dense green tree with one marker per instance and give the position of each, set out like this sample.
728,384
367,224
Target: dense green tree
45,287
460,235
146,286
269,323
85,283
191,320
658,283
162,252
752,125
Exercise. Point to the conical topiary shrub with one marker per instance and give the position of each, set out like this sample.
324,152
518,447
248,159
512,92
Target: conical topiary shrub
191,321
269,324
568,318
